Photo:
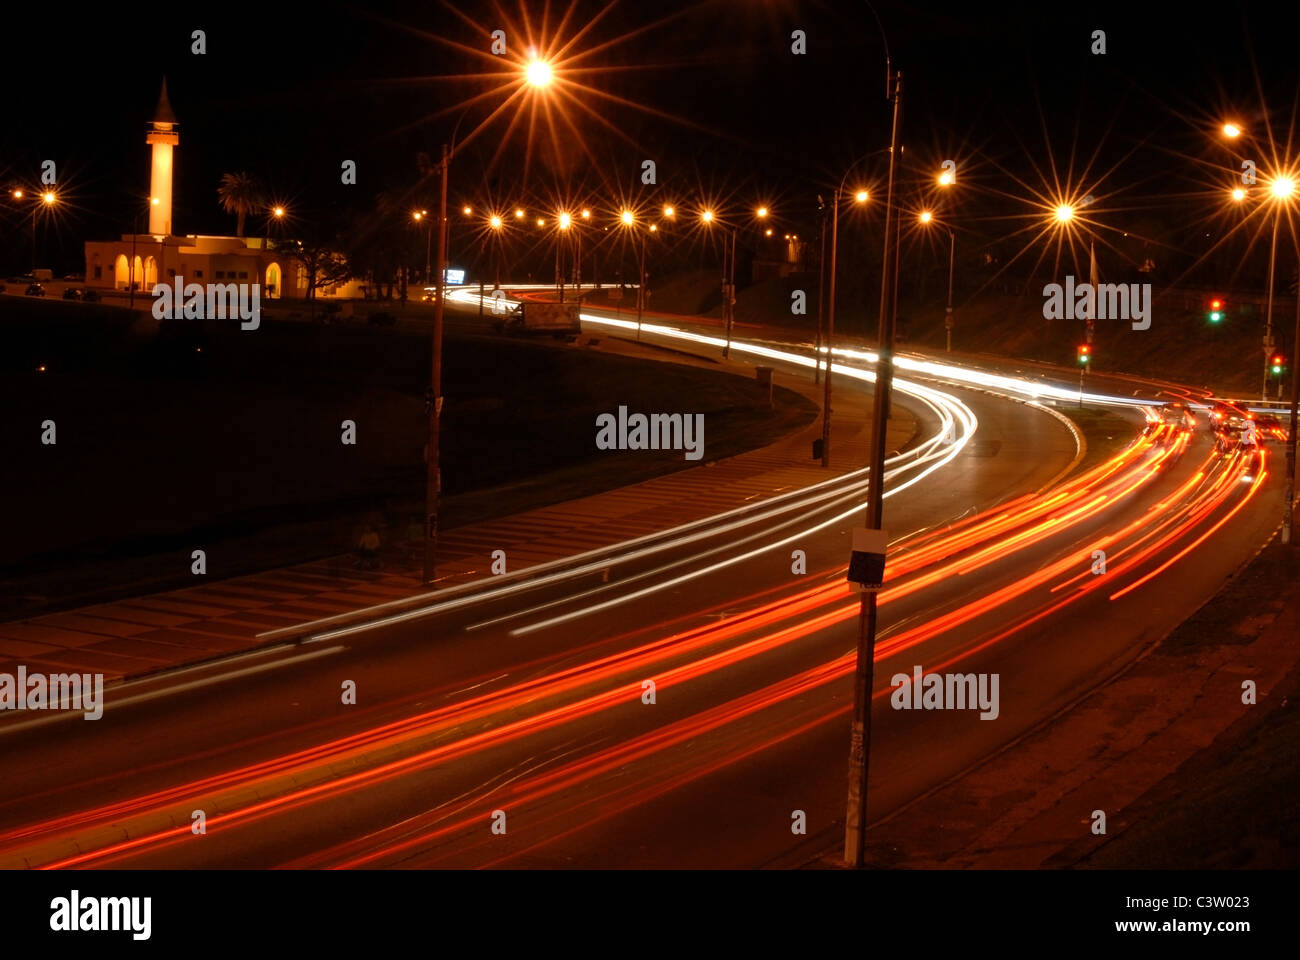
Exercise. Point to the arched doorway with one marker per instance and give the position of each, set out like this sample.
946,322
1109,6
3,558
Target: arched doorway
272,285
150,272
139,272
121,272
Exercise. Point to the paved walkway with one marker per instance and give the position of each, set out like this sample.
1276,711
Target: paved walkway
138,636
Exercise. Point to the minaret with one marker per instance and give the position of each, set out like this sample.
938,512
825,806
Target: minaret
163,137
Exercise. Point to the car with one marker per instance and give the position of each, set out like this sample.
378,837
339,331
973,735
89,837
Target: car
73,293
35,290
1177,415
1269,427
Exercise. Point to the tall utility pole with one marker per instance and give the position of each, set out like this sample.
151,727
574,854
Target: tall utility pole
855,823
433,480
1287,507
728,285
952,256
640,290
821,299
830,320
1268,312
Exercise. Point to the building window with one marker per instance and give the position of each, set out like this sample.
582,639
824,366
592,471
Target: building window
221,274
199,274
243,274
99,272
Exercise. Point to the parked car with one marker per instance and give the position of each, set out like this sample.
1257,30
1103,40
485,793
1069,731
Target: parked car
35,290
73,293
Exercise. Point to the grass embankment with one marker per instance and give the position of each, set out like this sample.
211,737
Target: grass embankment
231,440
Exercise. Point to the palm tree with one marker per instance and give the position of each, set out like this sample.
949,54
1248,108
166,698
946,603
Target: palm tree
240,194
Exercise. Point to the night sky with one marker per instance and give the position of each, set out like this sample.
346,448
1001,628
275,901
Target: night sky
710,91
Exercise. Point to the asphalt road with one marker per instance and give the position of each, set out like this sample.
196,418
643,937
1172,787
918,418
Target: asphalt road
531,700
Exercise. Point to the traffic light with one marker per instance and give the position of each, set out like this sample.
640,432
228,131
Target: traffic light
1216,310
1278,364
1085,353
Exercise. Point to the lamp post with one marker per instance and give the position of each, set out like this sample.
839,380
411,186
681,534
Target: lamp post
855,821
1282,188
859,196
537,74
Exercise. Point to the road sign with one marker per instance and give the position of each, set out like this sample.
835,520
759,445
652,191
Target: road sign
867,561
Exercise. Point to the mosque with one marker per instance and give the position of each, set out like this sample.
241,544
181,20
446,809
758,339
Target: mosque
144,259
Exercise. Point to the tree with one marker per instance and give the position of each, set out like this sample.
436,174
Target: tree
322,260
240,194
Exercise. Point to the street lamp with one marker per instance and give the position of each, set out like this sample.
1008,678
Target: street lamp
860,196
926,218
1231,130
422,216
537,73
1282,187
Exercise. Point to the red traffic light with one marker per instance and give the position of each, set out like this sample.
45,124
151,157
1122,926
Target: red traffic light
1216,304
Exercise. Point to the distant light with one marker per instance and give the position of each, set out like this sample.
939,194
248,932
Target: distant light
860,196
707,216
768,232
466,210
495,222
627,217
538,73
586,214
565,220
1282,187
41,368
1064,213
762,212
49,197
946,178
1231,130
278,211
519,214
653,227
155,201
1239,194
926,216
787,236
417,215
18,194
669,212
541,222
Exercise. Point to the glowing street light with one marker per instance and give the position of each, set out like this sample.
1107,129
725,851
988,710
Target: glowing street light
669,212
586,214
519,214
537,73
627,217
48,198
947,178
926,216
762,212
18,194
707,216
467,210
1064,213
1282,187
564,221
495,222
277,212
860,197
1231,131
1239,194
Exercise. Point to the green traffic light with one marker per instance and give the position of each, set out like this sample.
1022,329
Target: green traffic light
1215,317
